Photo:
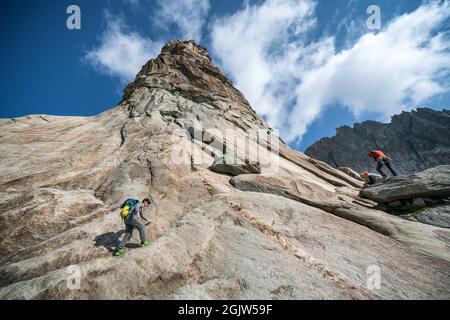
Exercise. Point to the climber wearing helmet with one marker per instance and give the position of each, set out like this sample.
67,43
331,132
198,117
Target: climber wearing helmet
371,178
381,159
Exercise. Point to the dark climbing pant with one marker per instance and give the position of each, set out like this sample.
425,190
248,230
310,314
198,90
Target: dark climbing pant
129,227
373,180
380,163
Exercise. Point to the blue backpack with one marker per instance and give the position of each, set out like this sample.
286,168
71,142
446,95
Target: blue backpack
126,206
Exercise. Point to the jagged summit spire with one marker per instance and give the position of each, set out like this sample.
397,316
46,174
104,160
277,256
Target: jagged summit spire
185,68
189,47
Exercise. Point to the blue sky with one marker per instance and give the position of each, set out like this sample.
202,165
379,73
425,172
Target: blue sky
306,66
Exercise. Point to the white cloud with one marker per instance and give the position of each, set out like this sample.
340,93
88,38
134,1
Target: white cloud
255,45
291,83
188,15
121,54
382,73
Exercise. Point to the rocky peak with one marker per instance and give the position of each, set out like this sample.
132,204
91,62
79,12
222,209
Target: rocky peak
186,48
185,88
185,68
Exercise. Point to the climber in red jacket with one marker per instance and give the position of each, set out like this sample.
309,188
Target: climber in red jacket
381,159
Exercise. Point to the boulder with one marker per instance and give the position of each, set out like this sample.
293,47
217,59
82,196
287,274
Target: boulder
431,183
234,169
395,204
438,216
418,203
431,201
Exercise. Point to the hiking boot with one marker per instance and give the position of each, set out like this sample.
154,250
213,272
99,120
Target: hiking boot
119,252
144,243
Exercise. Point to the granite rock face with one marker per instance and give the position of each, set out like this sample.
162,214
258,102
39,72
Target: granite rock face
415,141
293,228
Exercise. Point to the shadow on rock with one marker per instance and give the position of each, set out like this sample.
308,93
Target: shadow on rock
111,240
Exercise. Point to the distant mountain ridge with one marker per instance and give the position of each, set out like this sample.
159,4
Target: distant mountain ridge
415,140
